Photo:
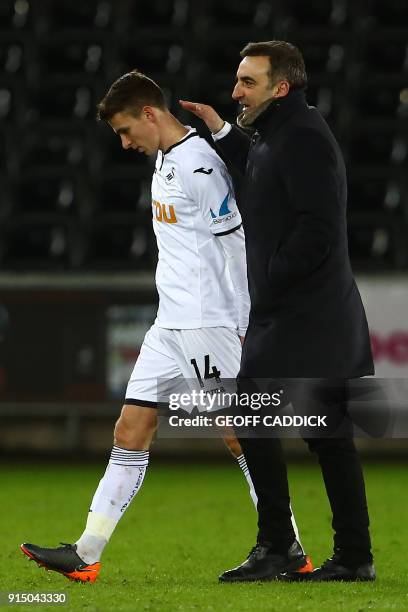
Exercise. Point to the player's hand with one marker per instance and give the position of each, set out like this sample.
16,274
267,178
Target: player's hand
242,338
210,117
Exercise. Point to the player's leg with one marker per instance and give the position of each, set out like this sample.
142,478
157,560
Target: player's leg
200,353
126,468
122,480
120,483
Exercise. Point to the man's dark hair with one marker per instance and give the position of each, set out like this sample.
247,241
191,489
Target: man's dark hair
130,93
286,61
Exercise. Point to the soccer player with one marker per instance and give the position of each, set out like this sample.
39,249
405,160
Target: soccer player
201,279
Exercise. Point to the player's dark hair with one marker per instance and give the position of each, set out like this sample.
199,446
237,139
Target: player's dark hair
285,61
130,93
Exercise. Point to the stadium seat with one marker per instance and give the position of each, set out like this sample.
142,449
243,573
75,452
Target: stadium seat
154,55
119,194
52,146
374,242
67,15
324,55
386,54
48,192
223,54
385,13
373,191
377,146
71,56
328,98
36,246
156,13
13,57
15,15
62,99
241,13
315,14
120,245
385,99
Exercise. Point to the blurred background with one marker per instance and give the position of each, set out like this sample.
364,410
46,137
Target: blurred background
77,252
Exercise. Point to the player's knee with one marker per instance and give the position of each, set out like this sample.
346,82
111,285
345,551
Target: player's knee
135,428
233,445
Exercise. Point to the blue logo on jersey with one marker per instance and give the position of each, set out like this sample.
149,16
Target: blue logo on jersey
224,210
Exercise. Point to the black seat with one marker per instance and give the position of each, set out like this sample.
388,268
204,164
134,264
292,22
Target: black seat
377,146
327,98
156,13
119,194
374,242
315,13
62,99
222,55
382,99
71,56
324,55
11,101
90,15
241,13
52,146
387,13
387,54
126,244
48,192
36,246
373,191
153,55
13,57
15,15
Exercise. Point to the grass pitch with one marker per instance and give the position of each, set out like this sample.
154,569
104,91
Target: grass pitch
187,525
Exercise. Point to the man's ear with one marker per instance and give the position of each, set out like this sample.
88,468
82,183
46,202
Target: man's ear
281,89
149,113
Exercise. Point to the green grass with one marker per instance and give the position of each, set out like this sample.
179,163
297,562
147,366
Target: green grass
188,524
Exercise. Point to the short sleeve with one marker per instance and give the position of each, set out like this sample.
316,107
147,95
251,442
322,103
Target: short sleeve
210,186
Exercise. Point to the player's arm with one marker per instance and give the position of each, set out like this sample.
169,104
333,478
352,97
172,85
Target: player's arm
233,244
232,142
209,184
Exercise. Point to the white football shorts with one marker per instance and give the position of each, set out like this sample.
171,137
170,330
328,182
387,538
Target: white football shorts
178,361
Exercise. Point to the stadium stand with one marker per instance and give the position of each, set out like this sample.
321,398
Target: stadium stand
71,199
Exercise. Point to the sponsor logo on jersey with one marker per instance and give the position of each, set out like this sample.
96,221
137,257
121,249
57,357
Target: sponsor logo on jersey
164,212
203,170
223,212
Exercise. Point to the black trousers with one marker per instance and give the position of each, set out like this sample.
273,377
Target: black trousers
340,466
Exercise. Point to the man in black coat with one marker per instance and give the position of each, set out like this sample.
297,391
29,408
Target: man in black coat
307,320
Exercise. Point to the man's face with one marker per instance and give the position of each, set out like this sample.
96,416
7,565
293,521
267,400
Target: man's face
253,84
138,133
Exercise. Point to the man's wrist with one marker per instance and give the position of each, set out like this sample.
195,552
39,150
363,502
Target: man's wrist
226,128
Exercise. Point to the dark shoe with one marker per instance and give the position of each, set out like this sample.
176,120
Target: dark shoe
333,570
63,560
264,564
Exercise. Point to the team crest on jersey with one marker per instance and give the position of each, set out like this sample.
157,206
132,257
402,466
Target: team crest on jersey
170,176
164,213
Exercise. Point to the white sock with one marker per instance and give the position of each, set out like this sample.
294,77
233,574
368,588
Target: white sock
122,480
243,465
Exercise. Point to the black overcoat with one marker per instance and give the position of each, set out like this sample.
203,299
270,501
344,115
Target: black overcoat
307,318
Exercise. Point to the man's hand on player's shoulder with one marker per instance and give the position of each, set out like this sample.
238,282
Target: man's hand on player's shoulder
205,112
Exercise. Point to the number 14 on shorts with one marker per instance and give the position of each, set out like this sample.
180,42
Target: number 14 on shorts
214,373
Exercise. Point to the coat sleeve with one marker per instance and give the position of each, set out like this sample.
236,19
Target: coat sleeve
309,170
234,148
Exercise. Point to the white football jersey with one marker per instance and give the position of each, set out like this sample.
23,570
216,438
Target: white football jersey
193,201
